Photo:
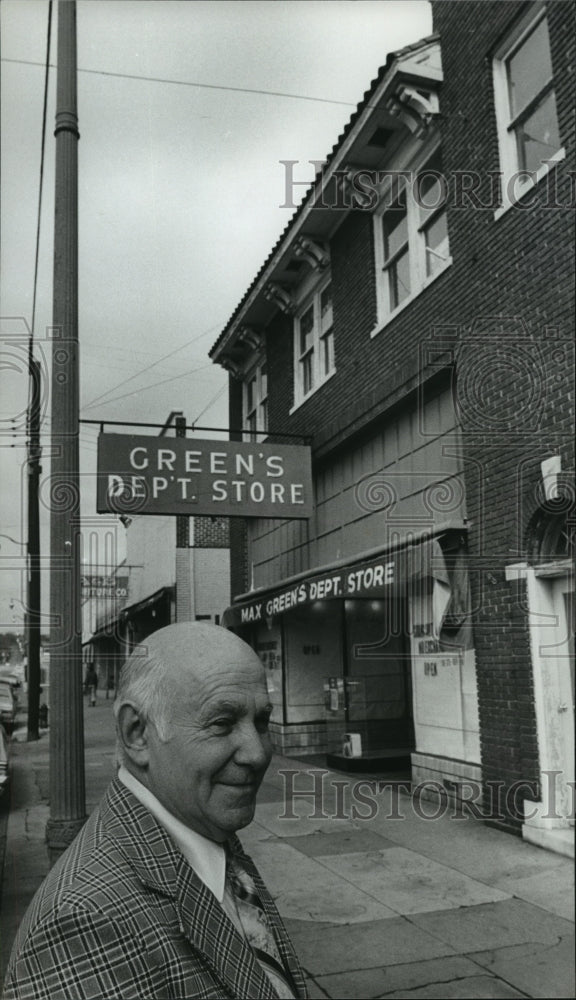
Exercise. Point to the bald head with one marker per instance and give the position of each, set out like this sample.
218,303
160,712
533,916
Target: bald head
193,717
172,662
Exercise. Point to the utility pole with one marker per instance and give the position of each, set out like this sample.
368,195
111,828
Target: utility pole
33,617
67,780
182,520
184,580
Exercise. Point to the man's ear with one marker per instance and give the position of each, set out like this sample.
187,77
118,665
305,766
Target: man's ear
133,734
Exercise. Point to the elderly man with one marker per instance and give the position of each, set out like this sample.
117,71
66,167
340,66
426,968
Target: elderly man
155,898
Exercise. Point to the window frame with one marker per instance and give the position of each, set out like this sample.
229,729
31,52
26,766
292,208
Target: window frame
319,354
516,180
418,223
256,374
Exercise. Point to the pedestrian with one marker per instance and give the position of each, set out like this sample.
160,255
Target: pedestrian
156,897
91,684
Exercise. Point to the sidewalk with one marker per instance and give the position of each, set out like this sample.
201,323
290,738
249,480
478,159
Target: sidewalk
391,906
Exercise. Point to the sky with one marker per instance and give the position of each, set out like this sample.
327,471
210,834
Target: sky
186,110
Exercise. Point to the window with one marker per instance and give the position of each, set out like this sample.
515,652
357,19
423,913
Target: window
525,105
552,533
256,403
433,225
314,343
397,251
411,235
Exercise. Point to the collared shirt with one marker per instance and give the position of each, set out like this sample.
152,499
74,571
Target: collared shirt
206,857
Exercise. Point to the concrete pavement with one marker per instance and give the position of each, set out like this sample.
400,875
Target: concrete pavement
381,898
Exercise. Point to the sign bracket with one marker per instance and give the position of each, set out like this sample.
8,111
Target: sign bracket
304,438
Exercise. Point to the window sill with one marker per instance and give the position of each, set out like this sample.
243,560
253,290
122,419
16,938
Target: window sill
312,392
383,321
528,185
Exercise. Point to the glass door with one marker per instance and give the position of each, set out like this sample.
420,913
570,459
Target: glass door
377,675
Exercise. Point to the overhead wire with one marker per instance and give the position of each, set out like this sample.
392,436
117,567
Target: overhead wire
193,83
187,83
143,371
128,354
210,402
40,191
88,364
249,90
153,385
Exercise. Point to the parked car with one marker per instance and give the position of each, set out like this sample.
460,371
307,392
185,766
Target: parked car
7,706
4,776
14,680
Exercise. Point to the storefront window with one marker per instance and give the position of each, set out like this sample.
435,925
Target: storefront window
313,638
268,645
378,673
347,667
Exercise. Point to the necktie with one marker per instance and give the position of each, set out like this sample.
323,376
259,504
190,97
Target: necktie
255,925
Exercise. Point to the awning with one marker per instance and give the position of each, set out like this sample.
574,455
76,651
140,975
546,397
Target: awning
147,602
383,576
106,627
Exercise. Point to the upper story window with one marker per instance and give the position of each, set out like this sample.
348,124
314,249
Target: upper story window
313,343
411,235
552,531
255,403
525,103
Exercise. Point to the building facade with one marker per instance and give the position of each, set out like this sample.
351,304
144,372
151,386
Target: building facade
175,572
414,323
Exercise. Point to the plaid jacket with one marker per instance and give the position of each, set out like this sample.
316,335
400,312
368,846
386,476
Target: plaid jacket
122,915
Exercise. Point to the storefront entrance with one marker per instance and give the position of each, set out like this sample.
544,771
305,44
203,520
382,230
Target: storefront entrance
347,670
336,648
377,675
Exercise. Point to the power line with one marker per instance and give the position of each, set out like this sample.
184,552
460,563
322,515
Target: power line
202,86
209,404
41,183
88,364
152,365
145,388
128,354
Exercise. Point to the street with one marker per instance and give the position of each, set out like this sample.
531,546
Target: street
392,905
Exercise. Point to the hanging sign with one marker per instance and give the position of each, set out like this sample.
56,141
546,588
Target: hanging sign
140,474
104,586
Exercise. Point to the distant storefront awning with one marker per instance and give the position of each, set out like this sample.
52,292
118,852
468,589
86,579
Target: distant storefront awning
107,626
384,576
148,602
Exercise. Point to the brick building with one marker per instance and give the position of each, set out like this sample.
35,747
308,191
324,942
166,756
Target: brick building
414,321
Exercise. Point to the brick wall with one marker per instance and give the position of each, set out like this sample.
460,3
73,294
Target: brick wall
368,370
514,376
211,533
500,317
239,579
